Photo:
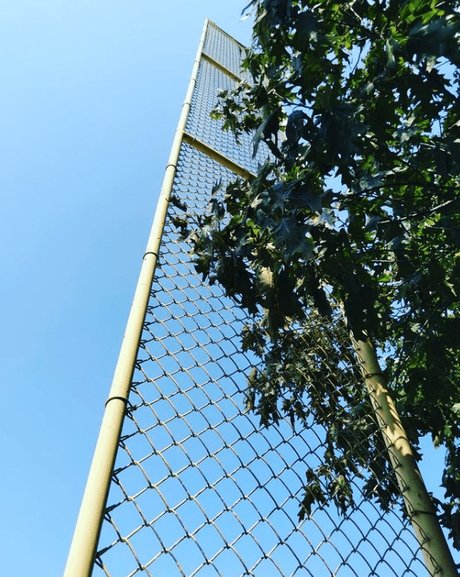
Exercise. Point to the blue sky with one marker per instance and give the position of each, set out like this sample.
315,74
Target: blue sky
90,96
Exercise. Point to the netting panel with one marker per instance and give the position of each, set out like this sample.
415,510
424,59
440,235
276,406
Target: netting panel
200,487
224,49
210,80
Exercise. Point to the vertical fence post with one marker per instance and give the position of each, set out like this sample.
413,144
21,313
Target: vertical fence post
418,503
86,536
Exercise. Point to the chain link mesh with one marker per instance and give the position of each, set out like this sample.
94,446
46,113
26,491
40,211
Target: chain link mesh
200,487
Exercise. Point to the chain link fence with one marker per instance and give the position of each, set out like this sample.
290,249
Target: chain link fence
200,486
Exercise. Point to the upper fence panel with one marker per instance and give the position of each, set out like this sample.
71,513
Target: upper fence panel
200,124
200,487
224,50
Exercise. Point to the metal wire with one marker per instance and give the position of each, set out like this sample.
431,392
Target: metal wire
200,487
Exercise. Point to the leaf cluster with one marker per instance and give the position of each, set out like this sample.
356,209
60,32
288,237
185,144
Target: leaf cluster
310,375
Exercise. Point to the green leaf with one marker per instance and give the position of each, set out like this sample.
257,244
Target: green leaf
293,238
269,127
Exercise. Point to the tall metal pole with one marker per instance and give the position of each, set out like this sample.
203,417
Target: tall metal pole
419,505
84,544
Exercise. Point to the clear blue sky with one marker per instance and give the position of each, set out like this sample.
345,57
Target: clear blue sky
90,94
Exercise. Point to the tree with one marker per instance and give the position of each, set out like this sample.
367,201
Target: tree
358,207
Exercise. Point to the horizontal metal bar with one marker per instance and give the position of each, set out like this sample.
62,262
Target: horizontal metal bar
220,67
217,156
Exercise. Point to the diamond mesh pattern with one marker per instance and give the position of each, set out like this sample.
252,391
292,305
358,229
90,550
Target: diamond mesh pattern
200,488
224,49
210,80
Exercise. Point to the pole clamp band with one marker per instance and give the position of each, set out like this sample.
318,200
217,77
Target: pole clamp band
125,401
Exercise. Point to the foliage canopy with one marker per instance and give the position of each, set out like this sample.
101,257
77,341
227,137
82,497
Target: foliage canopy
359,204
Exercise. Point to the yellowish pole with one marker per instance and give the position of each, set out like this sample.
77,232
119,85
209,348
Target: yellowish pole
419,505
84,544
